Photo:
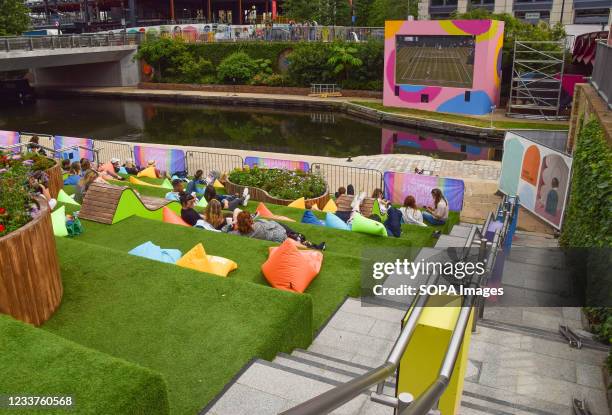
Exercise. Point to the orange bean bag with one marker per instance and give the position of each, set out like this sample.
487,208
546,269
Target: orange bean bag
264,212
169,216
288,268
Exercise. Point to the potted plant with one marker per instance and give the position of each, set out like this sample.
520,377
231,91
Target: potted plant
29,290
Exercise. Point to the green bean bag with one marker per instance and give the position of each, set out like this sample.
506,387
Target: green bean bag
364,225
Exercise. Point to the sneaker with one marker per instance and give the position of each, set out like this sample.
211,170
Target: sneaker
436,234
321,246
245,192
246,199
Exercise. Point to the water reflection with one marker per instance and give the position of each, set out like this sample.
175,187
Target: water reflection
284,131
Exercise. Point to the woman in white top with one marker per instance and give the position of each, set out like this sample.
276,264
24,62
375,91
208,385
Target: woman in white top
410,214
439,214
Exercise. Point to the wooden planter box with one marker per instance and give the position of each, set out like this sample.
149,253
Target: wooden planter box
56,180
30,281
261,195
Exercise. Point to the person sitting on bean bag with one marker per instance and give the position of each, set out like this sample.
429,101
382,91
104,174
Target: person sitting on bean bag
130,167
269,230
177,188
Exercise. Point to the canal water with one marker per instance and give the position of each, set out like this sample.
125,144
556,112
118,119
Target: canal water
284,131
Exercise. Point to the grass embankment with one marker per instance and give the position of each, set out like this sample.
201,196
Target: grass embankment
460,119
37,363
195,329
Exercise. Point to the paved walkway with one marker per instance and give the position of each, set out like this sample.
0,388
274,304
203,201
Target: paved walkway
517,364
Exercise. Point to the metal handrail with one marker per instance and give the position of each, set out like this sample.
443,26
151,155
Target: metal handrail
339,395
429,399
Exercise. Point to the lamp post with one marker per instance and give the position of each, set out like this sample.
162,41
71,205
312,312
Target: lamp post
493,107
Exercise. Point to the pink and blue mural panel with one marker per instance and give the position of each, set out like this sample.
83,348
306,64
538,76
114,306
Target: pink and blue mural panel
84,151
276,163
400,185
443,65
9,138
167,160
394,139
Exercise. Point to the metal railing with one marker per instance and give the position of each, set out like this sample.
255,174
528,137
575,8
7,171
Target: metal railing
29,43
223,163
67,151
362,179
110,149
334,398
428,400
601,78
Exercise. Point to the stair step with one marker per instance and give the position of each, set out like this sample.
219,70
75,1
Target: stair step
447,241
332,370
267,388
460,231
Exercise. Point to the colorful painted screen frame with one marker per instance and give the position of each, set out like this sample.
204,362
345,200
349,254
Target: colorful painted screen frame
489,35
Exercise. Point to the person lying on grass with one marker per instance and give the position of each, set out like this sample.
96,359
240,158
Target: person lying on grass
229,202
188,213
410,213
214,215
269,230
130,167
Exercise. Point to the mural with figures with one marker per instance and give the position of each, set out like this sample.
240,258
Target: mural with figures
539,175
430,65
392,140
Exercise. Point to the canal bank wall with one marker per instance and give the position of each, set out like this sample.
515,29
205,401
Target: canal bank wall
282,101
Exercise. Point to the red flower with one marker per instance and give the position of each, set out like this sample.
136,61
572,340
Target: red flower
2,211
2,228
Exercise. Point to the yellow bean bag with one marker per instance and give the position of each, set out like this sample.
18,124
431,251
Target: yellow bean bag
134,180
298,203
197,259
330,206
218,184
148,172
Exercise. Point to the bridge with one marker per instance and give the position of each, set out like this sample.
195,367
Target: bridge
74,60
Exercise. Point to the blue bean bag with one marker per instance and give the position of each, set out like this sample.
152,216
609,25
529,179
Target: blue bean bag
333,221
151,251
394,222
362,224
311,219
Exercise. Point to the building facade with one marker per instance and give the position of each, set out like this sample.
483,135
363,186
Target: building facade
550,11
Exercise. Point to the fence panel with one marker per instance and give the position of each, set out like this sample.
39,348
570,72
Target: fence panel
44,140
362,179
109,149
223,163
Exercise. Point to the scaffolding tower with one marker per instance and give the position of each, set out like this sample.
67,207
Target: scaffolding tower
535,90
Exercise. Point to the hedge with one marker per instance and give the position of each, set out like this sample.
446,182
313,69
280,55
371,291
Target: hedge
587,229
38,363
183,68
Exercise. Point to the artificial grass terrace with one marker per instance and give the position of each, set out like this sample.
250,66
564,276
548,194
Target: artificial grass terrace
195,329
37,363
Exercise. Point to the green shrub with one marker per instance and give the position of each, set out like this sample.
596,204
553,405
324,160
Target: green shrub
284,184
238,68
308,64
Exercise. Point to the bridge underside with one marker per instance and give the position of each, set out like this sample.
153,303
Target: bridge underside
88,66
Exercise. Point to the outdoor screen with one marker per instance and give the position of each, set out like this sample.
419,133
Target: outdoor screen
434,60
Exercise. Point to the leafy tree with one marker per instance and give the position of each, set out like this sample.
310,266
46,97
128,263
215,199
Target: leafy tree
343,58
308,64
381,10
361,10
237,68
14,18
333,12
300,10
